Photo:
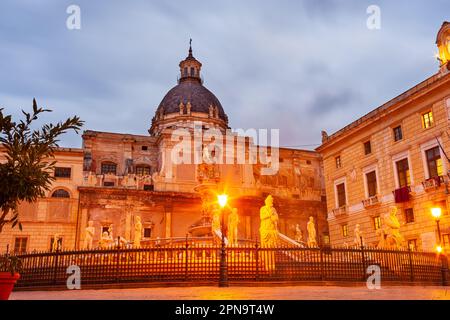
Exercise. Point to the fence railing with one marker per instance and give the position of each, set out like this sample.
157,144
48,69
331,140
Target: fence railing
245,263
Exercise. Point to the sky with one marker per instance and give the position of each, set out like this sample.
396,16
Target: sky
298,66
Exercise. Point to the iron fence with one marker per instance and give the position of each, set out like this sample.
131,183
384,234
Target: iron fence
184,263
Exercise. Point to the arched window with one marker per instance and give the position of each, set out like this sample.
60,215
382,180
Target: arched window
109,167
60,193
143,170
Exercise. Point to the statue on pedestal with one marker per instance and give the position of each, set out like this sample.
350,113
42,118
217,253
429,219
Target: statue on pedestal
359,239
137,232
311,227
268,231
56,245
392,229
298,233
233,221
89,235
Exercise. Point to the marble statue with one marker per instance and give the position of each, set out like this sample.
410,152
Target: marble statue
392,229
233,221
110,232
137,232
359,239
105,240
269,224
298,233
268,231
89,235
311,227
56,242
215,224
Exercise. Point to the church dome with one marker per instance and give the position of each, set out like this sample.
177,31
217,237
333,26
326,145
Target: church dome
193,92
189,98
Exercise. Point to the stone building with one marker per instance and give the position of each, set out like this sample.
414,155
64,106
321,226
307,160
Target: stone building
396,155
117,177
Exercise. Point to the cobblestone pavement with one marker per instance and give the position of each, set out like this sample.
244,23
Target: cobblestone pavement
244,293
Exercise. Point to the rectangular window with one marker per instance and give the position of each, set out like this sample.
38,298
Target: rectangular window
340,189
109,168
412,244
108,184
143,170
398,134
345,230
367,148
61,172
427,119
20,244
434,162
52,241
338,162
144,148
371,178
148,187
409,215
404,178
377,223
147,232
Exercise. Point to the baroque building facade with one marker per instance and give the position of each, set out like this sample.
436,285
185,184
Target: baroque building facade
115,178
396,155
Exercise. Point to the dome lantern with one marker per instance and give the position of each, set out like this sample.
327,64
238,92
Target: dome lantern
190,67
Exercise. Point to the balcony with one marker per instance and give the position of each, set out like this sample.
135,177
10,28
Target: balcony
433,183
371,201
402,194
339,212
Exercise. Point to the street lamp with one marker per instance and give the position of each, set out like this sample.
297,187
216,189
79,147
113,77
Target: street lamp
436,213
223,278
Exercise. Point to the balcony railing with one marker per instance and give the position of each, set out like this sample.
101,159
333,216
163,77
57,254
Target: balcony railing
338,212
433,183
371,201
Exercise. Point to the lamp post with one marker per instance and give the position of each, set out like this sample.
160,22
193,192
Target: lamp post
436,213
223,276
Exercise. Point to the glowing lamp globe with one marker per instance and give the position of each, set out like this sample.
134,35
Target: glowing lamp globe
222,198
436,212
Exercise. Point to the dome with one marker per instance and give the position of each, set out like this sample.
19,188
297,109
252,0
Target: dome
194,92
190,90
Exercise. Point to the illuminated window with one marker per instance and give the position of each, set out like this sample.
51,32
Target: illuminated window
398,134
340,190
60,193
434,162
404,178
377,222
367,148
52,240
61,172
143,170
412,244
345,230
427,119
338,162
109,167
409,215
371,179
20,244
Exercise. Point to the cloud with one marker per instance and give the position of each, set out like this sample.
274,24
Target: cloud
301,66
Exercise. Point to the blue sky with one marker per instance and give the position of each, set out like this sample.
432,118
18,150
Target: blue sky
301,66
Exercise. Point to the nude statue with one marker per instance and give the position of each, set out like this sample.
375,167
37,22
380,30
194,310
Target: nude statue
298,233
392,228
89,235
359,239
